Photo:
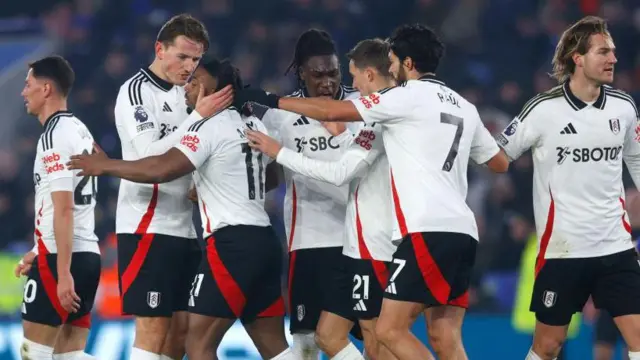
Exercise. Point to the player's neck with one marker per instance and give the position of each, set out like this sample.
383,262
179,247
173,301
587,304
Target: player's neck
50,108
415,75
156,69
584,89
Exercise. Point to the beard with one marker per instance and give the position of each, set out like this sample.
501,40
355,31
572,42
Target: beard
402,75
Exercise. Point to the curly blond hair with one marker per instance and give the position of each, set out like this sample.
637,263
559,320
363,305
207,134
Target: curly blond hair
575,40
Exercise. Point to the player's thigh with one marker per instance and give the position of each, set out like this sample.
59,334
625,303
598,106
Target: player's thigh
305,292
187,266
444,323
561,288
264,292
85,269
234,262
617,289
431,268
369,280
148,273
396,316
205,332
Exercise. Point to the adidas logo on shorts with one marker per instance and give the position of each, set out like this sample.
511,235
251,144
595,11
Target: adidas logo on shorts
360,306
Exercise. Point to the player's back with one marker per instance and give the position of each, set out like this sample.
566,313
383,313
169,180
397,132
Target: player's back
64,135
429,149
149,108
231,183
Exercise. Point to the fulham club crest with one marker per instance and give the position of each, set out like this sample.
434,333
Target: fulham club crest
153,299
614,125
549,298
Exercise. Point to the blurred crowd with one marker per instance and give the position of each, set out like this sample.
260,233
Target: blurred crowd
498,56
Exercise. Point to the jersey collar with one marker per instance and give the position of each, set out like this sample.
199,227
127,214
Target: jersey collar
156,80
578,104
55,115
339,95
431,78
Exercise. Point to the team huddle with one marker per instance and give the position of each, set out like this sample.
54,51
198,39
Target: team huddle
378,228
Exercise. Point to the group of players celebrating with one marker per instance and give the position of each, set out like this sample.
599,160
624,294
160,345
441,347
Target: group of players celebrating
377,223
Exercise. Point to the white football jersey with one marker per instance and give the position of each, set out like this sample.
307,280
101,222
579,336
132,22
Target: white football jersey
429,133
314,211
148,110
577,149
229,176
365,167
64,135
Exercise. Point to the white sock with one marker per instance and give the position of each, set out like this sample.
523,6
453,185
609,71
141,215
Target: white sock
304,347
532,356
139,354
165,357
34,351
287,354
634,355
350,352
74,355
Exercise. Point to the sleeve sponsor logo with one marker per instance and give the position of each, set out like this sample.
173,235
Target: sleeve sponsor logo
511,128
369,101
638,131
190,141
140,114
502,140
365,139
52,164
145,126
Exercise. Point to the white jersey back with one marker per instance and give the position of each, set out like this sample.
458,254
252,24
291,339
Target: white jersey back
311,207
578,195
64,135
148,105
429,133
229,176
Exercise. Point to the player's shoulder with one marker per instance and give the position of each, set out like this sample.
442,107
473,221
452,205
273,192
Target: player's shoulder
139,89
347,92
619,96
63,128
542,102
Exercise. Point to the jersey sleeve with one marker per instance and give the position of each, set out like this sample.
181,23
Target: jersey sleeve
354,162
631,147
199,142
57,147
519,136
273,120
387,106
483,146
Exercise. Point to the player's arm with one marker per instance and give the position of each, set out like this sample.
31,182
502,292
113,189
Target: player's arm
135,116
522,134
186,156
631,151
57,152
485,150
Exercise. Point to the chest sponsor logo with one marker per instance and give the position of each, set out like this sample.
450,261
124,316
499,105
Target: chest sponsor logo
583,155
318,143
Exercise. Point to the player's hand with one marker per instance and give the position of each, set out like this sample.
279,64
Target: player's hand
89,164
212,104
334,128
264,143
193,195
255,95
69,300
24,266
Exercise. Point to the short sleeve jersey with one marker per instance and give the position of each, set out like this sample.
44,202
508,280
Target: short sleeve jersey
147,104
229,176
429,133
577,149
311,206
64,135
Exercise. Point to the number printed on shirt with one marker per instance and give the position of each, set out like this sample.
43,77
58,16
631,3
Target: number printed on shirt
251,166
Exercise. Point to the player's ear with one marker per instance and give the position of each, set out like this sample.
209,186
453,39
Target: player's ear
577,59
159,48
408,63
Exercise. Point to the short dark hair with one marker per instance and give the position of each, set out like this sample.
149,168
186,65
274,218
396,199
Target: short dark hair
576,39
224,72
183,24
313,42
371,53
420,43
57,69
